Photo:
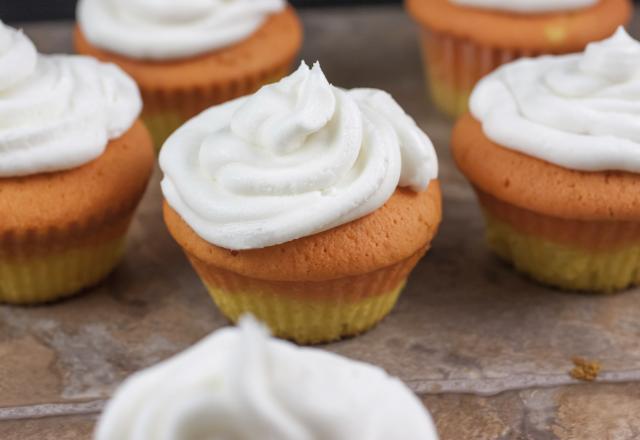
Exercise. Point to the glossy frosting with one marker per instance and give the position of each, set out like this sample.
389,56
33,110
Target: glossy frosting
297,158
579,111
531,6
168,29
58,112
239,384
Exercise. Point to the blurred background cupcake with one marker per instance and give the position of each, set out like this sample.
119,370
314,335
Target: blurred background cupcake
463,40
303,204
239,384
74,163
552,147
189,55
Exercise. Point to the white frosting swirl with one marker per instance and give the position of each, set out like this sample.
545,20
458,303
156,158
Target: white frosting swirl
297,158
577,111
18,57
58,112
527,6
170,29
239,384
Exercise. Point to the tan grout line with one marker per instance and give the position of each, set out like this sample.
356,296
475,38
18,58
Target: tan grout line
52,410
482,388
492,386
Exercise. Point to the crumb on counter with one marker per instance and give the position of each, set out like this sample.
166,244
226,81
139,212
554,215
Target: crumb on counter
584,369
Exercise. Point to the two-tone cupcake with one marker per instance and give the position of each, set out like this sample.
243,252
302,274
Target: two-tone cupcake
74,162
304,204
239,384
552,147
463,40
191,54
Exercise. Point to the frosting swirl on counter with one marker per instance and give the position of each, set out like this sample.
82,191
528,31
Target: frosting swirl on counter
297,158
579,111
530,6
239,384
170,29
58,112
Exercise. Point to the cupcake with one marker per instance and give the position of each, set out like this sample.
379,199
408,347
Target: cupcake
189,55
552,147
74,162
239,384
463,40
303,204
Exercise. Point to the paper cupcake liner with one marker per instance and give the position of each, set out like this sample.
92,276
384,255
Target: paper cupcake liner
165,111
43,267
307,322
454,65
47,278
309,312
161,124
592,236
558,253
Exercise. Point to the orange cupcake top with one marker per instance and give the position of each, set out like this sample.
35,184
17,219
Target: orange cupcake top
403,226
557,32
559,135
300,182
104,187
274,44
298,157
540,186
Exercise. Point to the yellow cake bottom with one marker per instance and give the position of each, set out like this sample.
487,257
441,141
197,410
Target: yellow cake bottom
46,278
563,266
307,321
447,99
161,125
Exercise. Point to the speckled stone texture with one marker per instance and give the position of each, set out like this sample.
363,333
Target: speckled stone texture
488,351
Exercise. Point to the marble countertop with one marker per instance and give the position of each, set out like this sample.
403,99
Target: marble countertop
488,351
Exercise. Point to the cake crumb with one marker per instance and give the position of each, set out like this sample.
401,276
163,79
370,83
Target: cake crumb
584,369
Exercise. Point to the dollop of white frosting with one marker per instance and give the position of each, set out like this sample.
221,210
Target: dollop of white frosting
18,57
239,384
578,111
527,6
297,158
171,29
58,112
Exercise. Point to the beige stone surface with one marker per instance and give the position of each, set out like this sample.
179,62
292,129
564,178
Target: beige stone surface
576,412
51,428
488,350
